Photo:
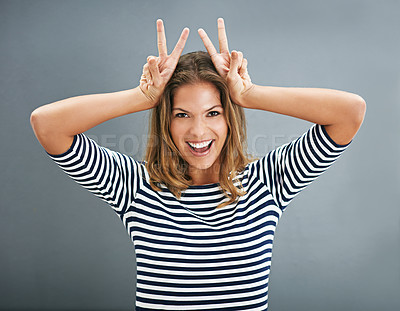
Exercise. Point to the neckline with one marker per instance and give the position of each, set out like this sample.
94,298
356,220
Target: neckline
206,186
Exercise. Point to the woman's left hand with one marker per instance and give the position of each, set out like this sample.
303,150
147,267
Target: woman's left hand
231,66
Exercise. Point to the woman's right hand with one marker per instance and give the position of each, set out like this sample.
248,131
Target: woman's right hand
158,70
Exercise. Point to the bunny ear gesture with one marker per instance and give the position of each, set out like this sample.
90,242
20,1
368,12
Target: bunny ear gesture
220,60
162,43
232,67
158,70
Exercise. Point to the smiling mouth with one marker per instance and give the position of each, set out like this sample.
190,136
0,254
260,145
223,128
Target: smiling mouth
200,147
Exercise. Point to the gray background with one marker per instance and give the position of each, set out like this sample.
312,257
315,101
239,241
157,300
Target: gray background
337,246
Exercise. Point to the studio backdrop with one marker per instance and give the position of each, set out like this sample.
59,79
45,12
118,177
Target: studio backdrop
337,245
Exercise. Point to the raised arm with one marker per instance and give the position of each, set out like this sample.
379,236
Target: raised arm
340,112
56,124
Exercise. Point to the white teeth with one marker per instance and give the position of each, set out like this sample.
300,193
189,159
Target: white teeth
200,145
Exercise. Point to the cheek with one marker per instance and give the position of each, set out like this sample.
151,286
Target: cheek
173,131
176,130
222,130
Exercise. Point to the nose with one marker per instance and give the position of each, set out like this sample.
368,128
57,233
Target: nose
198,128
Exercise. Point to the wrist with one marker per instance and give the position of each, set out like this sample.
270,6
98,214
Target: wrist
138,101
243,98
146,97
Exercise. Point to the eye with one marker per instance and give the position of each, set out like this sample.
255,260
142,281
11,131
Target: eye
214,113
181,115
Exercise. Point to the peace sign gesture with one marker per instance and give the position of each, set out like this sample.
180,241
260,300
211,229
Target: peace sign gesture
222,59
158,70
232,67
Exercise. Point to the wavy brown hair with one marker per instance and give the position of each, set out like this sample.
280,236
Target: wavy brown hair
163,160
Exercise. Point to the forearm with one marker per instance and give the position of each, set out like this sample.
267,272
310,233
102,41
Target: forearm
322,106
78,114
56,124
341,113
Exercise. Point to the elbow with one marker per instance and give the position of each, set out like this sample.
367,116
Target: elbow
357,110
362,108
34,120
34,117
38,123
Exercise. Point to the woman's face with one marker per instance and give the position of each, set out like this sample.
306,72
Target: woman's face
198,127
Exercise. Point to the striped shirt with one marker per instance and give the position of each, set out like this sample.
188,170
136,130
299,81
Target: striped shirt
190,254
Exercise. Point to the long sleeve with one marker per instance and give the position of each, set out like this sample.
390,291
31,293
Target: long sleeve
110,175
291,167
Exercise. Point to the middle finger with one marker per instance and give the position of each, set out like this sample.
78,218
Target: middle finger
223,40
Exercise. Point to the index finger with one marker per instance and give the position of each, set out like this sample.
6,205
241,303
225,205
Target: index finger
223,40
161,40
207,42
176,53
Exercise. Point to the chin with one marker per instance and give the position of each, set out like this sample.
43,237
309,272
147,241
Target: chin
202,166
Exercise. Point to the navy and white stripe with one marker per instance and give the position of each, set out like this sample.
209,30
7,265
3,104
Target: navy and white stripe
191,255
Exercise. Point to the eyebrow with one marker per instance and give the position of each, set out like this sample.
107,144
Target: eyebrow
219,106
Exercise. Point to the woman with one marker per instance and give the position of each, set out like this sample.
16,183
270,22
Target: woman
200,213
